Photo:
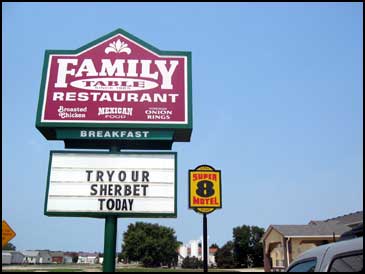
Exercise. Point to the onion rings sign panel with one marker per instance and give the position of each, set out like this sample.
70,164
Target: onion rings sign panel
117,81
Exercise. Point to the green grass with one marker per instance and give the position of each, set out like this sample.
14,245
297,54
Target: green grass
46,270
65,270
142,269
126,269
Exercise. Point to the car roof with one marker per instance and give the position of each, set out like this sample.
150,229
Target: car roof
331,249
348,246
338,247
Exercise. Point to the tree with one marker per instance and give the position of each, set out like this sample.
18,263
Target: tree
75,257
214,246
151,244
120,257
192,262
224,256
241,241
9,246
247,247
257,256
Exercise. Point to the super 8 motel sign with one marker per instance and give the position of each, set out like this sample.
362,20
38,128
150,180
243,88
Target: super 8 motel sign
205,191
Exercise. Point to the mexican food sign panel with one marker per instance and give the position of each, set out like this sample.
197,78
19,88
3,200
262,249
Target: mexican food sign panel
98,184
117,81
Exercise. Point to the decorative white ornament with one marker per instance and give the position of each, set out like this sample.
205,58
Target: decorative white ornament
118,47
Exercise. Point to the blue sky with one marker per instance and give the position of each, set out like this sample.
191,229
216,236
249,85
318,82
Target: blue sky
277,105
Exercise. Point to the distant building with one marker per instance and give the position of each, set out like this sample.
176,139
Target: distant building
31,256
12,257
101,260
6,257
67,259
183,251
88,258
57,257
284,243
16,257
37,256
195,249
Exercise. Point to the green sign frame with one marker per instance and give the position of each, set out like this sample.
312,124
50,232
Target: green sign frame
112,214
127,139
180,132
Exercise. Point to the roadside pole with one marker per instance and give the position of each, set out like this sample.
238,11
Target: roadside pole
205,189
116,183
110,237
110,240
205,242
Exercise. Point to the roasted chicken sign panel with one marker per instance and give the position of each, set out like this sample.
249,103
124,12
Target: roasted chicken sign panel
119,81
96,184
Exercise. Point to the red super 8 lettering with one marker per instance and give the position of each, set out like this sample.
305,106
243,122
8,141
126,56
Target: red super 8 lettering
204,176
204,201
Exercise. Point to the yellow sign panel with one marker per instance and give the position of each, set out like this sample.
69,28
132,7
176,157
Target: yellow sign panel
7,233
205,189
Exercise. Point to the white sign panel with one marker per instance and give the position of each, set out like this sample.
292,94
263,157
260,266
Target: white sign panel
94,184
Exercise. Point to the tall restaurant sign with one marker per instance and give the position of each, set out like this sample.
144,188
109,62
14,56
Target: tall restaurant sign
116,88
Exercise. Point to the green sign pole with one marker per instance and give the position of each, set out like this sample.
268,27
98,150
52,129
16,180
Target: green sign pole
205,242
110,237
